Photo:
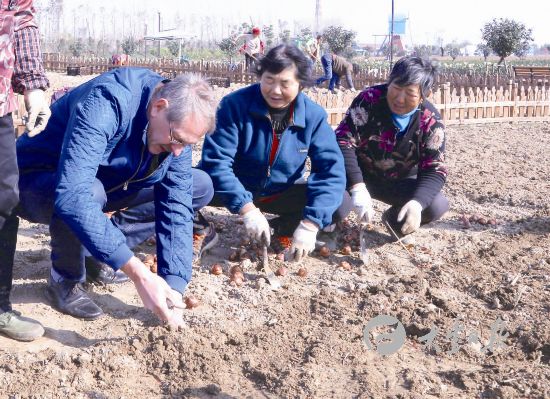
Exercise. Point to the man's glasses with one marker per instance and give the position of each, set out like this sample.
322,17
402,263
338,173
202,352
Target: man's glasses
172,139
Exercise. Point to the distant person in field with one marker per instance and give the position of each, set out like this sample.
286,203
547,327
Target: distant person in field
257,155
120,59
393,141
253,48
334,67
22,72
313,48
111,169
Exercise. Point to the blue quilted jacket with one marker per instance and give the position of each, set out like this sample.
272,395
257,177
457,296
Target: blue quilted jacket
97,131
236,155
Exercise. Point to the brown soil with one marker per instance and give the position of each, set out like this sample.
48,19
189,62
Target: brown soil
306,340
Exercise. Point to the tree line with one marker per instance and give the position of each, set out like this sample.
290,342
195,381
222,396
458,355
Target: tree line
501,37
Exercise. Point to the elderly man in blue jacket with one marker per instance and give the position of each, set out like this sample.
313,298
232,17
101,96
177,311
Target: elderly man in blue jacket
119,143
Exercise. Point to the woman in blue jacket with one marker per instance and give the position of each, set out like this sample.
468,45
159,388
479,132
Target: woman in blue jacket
257,154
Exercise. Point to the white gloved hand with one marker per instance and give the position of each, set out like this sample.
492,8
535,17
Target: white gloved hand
362,203
38,111
303,240
412,213
256,225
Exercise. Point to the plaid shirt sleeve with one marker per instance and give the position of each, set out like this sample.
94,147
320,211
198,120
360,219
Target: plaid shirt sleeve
28,70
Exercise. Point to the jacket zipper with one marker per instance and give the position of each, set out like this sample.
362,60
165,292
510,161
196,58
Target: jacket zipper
268,172
276,154
273,133
125,184
269,162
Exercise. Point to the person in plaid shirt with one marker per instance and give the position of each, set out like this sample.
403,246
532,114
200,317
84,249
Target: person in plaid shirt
21,71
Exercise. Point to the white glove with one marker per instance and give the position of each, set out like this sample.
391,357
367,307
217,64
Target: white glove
303,240
38,111
362,203
412,212
256,225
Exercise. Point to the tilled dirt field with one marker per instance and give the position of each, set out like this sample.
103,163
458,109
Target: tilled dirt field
306,340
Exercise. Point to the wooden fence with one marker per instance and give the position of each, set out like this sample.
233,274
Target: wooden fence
511,103
237,73
166,67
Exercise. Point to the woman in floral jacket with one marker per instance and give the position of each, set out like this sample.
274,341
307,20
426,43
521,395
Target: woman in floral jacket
393,142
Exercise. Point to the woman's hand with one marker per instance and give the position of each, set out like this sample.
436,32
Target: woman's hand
256,224
303,240
412,213
362,202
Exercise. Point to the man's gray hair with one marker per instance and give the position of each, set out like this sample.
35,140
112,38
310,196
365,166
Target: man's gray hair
189,95
414,70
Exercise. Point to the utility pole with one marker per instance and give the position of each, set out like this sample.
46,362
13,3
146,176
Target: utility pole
391,37
317,16
159,39
145,41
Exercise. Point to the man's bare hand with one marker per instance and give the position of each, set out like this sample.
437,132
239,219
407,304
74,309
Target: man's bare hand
155,293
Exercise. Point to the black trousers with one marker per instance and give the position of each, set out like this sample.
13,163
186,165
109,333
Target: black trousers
289,205
400,192
250,61
9,197
134,216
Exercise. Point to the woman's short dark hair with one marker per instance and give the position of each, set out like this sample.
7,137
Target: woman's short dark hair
284,56
414,70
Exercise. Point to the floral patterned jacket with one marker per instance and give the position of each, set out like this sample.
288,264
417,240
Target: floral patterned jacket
374,152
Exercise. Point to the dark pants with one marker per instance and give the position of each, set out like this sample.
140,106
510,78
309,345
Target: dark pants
134,215
8,200
331,75
400,192
326,61
289,205
250,61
